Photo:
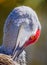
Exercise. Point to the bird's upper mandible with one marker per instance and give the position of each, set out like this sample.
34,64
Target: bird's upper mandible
21,23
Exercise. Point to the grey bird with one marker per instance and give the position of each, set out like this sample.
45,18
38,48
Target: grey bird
20,24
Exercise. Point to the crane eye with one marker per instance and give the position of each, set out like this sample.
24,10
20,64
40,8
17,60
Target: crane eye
32,37
35,37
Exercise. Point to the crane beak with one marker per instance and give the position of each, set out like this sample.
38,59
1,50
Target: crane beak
31,40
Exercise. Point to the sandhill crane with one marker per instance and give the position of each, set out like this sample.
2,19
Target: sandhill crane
21,28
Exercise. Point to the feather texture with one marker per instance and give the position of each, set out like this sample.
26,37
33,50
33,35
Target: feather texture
20,24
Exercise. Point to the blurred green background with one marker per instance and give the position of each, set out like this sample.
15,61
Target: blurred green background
36,54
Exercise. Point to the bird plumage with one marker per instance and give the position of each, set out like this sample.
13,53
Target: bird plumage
20,24
7,60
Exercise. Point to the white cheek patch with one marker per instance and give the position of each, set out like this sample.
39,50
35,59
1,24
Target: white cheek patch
24,35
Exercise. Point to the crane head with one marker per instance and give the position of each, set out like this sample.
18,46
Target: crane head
21,28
